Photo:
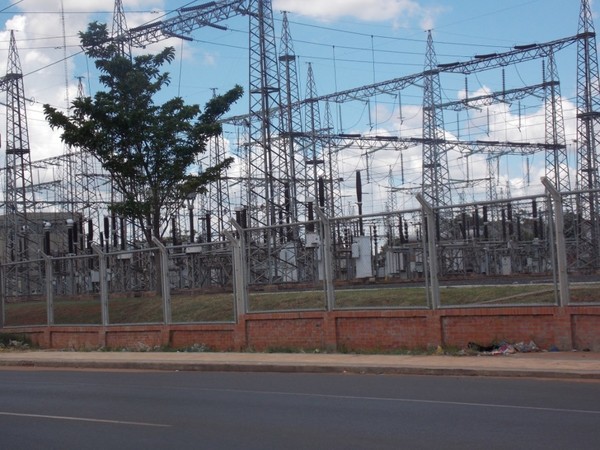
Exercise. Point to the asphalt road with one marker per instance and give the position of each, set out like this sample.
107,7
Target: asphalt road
193,410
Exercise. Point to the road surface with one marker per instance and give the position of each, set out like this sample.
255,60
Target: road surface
54,409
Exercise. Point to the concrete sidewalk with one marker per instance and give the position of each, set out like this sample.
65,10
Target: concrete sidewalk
573,365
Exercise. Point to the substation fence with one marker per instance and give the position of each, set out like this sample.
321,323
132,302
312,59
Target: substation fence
534,250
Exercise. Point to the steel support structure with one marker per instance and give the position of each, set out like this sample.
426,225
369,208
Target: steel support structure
334,203
21,231
557,163
519,54
588,142
435,186
267,163
218,207
187,20
119,29
315,161
291,126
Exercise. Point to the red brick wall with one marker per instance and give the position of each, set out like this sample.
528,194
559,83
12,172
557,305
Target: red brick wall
363,333
586,331
37,337
216,338
75,339
493,325
546,326
566,328
280,331
136,340
459,331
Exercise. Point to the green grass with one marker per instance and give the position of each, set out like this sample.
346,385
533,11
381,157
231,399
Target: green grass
202,308
585,293
146,309
218,307
496,295
285,301
380,297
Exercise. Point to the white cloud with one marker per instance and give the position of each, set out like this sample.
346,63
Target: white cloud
428,17
87,6
16,23
209,58
398,11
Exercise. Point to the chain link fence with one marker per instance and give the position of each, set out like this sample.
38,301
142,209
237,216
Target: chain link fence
534,250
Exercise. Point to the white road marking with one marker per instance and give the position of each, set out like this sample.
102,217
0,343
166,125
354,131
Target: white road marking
84,419
410,400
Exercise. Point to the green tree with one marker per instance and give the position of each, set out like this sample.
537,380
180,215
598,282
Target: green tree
148,148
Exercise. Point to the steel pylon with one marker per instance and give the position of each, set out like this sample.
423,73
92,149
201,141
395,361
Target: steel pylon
21,233
435,185
291,124
588,141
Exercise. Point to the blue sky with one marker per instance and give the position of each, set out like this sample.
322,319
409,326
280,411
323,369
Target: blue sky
349,43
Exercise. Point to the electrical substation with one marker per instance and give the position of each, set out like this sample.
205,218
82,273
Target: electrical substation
289,205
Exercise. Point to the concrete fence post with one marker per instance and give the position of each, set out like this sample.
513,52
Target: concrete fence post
164,280
240,270
103,281
49,275
325,226
561,249
2,295
431,256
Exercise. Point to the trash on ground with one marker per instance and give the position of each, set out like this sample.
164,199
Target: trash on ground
503,348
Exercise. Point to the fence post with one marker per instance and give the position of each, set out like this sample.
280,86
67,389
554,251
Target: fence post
49,291
103,278
561,252
2,295
432,253
240,270
164,280
327,262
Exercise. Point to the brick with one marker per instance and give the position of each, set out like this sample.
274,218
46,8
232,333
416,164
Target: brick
570,327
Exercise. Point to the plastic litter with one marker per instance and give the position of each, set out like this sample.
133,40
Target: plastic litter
522,347
503,348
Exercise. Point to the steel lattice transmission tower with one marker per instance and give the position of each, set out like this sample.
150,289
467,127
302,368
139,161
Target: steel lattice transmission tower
435,178
20,231
119,32
588,139
557,164
86,185
80,193
334,204
219,203
291,123
391,204
314,153
267,162
435,187
119,29
68,171
392,200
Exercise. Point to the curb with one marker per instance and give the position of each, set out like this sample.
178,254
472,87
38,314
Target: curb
302,368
